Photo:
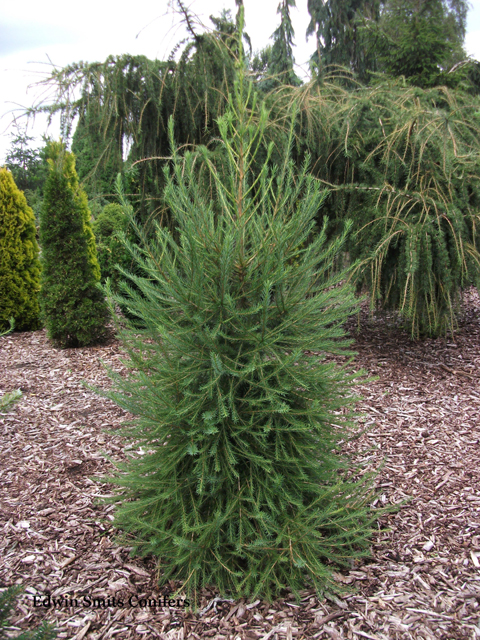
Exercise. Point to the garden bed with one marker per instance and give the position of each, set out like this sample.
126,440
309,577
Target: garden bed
422,581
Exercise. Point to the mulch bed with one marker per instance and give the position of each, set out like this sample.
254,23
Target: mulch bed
422,581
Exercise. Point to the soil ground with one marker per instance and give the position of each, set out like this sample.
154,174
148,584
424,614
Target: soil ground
422,581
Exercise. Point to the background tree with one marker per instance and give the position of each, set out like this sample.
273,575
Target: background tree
340,41
73,307
281,53
29,167
422,39
19,264
98,156
129,99
363,143
395,159
23,161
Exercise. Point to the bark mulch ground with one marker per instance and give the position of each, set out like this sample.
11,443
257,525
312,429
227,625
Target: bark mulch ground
422,581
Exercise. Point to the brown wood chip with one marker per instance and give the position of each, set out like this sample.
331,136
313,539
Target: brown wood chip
421,419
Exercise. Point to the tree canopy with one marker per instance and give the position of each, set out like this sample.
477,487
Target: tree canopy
376,141
421,40
336,25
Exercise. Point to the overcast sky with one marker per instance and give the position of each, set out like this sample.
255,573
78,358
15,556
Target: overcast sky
34,35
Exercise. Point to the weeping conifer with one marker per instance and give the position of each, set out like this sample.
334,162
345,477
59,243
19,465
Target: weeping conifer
238,483
132,97
402,164
416,214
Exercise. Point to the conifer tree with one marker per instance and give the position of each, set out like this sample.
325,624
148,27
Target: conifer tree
73,306
281,56
238,484
422,40
23,161
19,263
29,168
98,153
336,24
395,160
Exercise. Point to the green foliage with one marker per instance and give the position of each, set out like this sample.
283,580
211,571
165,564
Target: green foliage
10,328
7,601
29,168
403,163
111,251
337,26
421,40
417,234
65,162
273,66
19,264
281,56
8,400
395,157
111,220
73,307
23,161
98,152
239,483
132,97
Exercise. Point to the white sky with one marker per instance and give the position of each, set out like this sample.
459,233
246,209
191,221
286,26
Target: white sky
36,34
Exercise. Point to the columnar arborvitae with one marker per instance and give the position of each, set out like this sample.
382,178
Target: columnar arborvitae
19,264
73,307
238,484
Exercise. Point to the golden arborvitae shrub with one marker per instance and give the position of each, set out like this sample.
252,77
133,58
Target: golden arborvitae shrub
19,263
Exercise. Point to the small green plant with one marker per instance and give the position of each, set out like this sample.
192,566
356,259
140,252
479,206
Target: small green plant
10,329
111,251
7,602
9,399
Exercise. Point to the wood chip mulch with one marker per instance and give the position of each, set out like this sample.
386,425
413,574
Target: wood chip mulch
422,581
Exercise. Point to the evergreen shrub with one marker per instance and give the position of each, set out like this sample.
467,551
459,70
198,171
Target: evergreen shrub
19,263
110,250
238,481
73,306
